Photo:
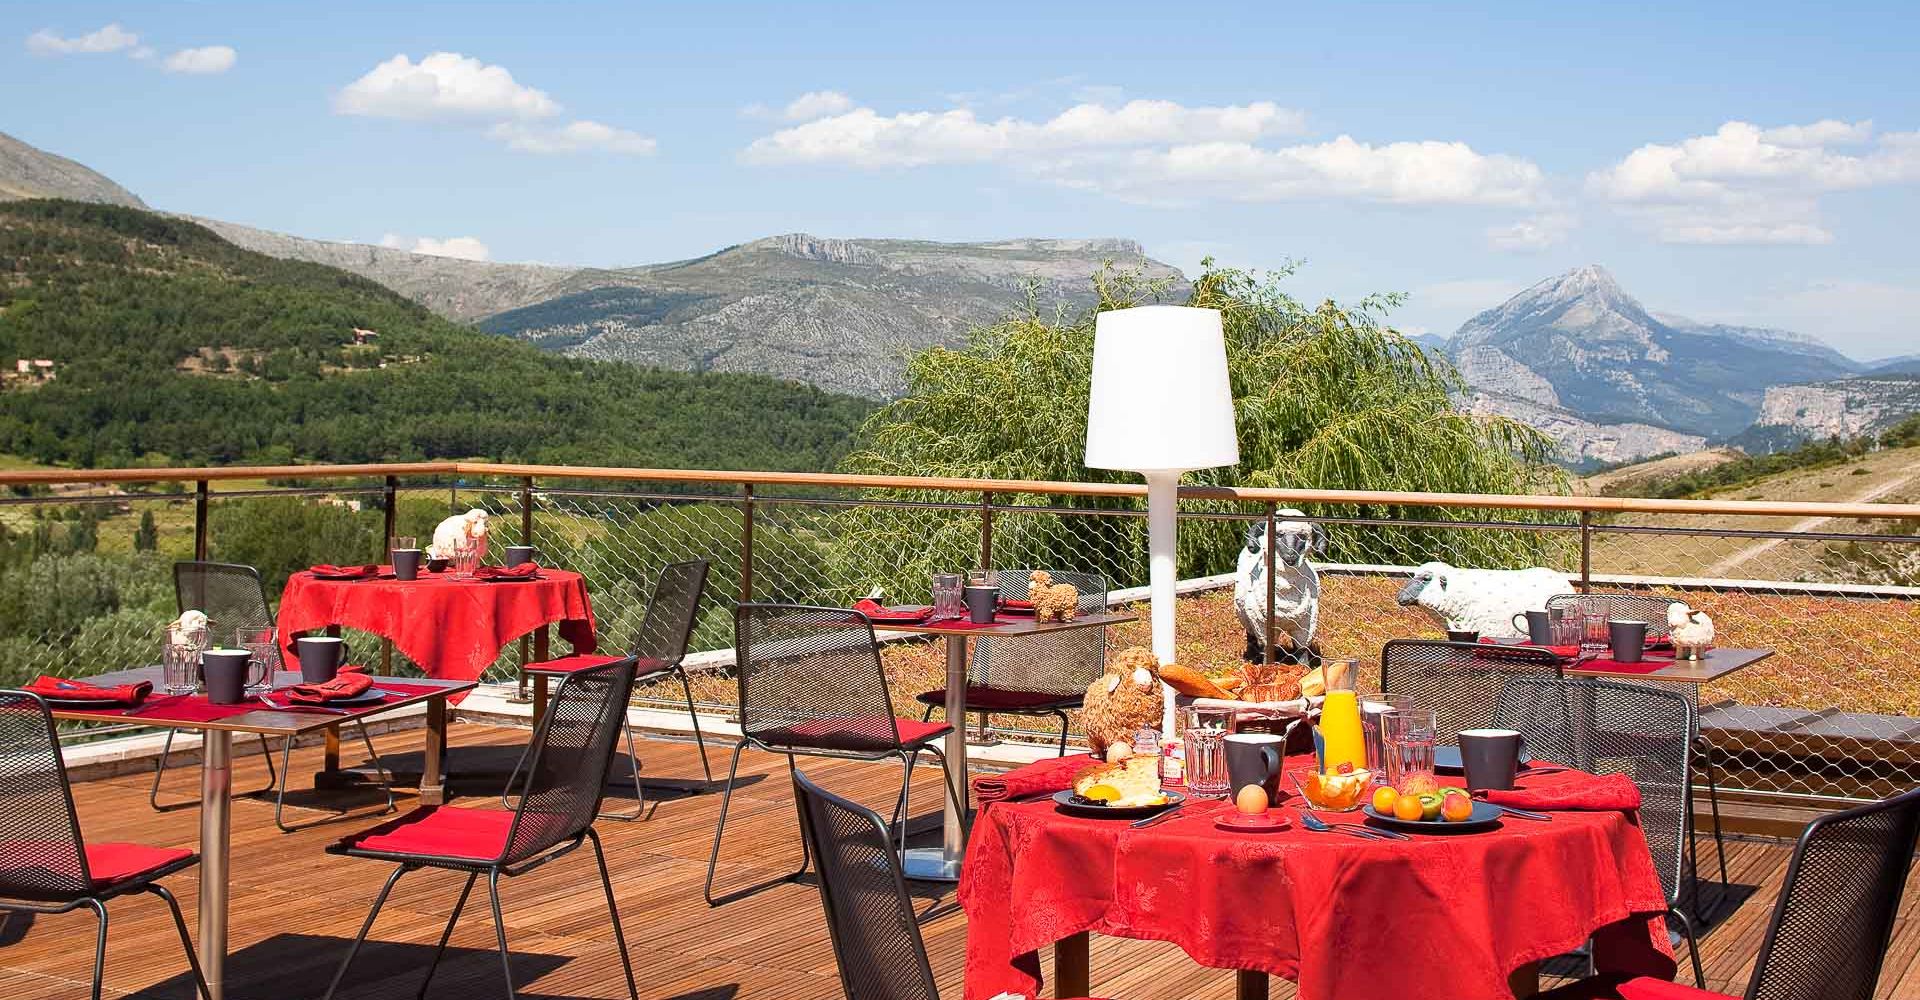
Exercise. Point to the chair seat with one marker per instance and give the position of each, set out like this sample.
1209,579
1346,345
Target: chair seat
644,667
982,698
111,864
854,733
436,832
1640,988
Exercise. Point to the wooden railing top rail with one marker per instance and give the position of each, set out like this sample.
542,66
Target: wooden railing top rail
1482,501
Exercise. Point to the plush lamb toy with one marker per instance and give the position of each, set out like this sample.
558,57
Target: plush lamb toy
1052,602
1122,700
1296,588
469,526
1481,599
1690,630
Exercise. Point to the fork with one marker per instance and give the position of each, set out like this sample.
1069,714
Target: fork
1318,825
276,706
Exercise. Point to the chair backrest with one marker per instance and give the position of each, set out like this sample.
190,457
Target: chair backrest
1649,608
1061,663
1608,727
1834,920
672,613
571,753
870,919
807,671
232,595
1460,681
41,854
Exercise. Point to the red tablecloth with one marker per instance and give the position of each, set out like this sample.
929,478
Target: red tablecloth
452,628
1343,918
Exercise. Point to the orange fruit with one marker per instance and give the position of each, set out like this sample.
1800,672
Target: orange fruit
1384,799
1408,807
1456,808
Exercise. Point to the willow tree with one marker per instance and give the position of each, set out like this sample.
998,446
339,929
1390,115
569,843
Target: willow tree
1327,397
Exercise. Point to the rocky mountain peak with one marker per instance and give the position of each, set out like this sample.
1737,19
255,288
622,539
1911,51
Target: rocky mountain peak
27,172
809,247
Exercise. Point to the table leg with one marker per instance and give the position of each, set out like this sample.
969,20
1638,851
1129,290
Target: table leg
1524,982
1249,985
433,787
332,760
539,697
1072,966
216,842
942,864
542,651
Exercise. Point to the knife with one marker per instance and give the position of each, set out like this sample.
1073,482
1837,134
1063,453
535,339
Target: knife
1156,818
1537,817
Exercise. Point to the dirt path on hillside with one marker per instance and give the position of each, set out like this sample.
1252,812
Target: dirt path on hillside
1725,567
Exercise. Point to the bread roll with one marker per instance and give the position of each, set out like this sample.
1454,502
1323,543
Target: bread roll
1192,682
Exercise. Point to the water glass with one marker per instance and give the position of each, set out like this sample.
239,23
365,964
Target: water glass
1410,735
466,556
180,661
1567,626
947,600
260,643
1206,750
402,542
1372,708
1594,633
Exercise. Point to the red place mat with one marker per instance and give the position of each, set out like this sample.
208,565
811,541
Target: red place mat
163,709
1645,666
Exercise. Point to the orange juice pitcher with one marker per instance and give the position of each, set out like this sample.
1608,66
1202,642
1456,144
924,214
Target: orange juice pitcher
1341,735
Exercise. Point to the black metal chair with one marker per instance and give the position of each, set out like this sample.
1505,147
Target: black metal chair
234,597
1833,923
1607,727
560,792
658,651
46,866
811,684
1460,681
1036,675
1652,609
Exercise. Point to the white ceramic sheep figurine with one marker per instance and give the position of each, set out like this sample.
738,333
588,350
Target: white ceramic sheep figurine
1690,630
1296,586
1481,599
471,526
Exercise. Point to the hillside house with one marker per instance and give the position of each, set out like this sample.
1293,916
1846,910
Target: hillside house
365,336
33,369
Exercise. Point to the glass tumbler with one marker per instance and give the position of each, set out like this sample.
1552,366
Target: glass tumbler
1372,708
1410,735
1594,633
1206,752
947,599
258,641
466,555
180,661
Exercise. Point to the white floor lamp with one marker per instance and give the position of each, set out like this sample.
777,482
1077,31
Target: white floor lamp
1161,405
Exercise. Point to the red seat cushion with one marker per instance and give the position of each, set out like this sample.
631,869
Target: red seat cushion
113,863
992,699
1641,988
587,661
438,831
852,732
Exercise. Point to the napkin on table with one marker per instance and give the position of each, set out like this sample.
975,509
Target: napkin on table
48,686
1044,776
329,569
523,571
350,682
1571,790
878,612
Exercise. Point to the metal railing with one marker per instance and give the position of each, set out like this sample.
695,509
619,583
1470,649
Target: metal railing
1829,587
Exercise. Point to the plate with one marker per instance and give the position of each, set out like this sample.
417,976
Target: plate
101,703
339,577
1485,816
1015,611
1446,760
371,696
1069,804
1272,820
509,579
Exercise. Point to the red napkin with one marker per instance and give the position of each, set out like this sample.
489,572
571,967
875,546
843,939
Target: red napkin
1575,790
1015,604
47,686
523,571
329,569
876,611
1044,776
350,682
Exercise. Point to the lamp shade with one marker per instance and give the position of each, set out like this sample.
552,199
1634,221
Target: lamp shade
1161,399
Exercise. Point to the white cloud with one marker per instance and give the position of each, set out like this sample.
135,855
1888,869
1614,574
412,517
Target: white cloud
1747,184
573,137
206,60
816,104
111,38
1399,172
864,138
1536,232
462,247
442,85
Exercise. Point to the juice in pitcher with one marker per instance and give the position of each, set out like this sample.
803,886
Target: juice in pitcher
1341,734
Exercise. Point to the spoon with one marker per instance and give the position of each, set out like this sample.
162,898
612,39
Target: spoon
1318,825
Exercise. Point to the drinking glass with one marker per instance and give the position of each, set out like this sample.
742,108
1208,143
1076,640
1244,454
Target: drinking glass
180,661
1566,626
947,600
1594,633
1206,749
1372,708
259,642
465,555
402,542
1410,735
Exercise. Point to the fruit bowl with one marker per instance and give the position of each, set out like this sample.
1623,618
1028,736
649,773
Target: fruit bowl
1333,792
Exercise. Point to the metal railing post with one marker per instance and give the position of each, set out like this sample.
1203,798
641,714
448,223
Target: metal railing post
1586,551
200,520
746,542
526,538
986,531
1266,552
389,495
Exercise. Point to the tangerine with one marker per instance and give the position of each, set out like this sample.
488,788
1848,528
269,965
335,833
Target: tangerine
1384,799
1407,808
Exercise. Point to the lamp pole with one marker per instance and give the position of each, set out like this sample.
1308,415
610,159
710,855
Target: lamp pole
1163,513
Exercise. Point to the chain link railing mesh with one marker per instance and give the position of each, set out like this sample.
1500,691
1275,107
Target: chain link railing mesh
1834,712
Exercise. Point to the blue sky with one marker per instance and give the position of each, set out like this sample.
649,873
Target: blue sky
1755,162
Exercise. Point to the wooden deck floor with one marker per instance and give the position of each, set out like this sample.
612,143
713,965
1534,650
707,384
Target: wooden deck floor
295,909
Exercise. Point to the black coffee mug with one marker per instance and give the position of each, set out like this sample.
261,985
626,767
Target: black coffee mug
1626,639
520,555
225,671
1255,759
1463,635
1490,757
437,565
406,563
981,602
320,657
1538,627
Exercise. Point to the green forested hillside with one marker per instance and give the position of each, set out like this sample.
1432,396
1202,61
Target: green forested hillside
172,344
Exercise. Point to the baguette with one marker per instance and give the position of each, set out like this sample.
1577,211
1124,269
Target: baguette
1192,682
